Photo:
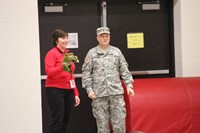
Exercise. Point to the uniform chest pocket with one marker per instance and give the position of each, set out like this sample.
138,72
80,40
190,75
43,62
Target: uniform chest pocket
111,61
97,62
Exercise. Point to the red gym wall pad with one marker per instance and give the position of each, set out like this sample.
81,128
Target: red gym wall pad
164,105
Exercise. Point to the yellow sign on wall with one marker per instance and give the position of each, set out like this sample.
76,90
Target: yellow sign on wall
135,40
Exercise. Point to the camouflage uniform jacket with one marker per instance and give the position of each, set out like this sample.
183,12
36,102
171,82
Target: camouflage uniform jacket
101,72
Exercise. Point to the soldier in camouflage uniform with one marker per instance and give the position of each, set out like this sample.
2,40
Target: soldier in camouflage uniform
101,78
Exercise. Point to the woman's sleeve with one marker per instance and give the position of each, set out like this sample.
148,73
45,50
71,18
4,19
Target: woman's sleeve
50,65
76,93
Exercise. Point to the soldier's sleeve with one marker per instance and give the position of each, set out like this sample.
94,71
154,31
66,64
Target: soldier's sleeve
124,71
87,73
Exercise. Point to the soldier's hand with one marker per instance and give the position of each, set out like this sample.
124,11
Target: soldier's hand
130,92
91,95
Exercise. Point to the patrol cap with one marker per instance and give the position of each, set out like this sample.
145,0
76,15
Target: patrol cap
102,30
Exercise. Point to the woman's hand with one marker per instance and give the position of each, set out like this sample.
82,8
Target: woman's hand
77,101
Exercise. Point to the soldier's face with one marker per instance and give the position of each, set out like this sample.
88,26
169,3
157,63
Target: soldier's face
103,39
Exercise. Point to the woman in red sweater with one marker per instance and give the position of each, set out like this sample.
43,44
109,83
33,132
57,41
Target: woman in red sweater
60,93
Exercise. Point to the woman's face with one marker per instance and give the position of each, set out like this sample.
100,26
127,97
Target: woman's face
62,42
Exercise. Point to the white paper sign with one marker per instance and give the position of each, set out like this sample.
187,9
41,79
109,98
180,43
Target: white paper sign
72,40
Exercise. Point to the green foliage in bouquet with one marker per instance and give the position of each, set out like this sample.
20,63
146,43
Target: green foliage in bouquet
68,58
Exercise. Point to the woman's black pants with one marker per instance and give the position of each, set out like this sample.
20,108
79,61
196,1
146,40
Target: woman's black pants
60,103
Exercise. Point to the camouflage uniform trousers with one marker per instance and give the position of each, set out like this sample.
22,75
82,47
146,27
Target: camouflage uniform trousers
110,109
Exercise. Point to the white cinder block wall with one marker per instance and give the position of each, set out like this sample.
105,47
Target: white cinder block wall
187,37
20,87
